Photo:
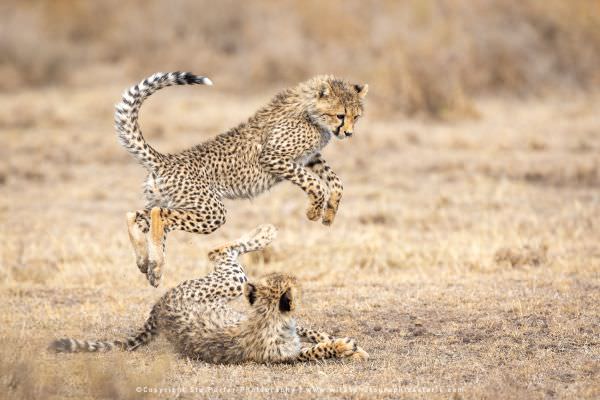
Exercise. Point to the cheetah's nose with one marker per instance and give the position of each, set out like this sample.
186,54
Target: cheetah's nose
348,134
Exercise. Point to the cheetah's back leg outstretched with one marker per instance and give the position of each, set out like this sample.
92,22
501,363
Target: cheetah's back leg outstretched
205,218
138,226
226,258
255,240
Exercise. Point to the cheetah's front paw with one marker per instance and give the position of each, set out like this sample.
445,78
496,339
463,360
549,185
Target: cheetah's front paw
314,212
331,208
347,348
328,216
344,347
360,354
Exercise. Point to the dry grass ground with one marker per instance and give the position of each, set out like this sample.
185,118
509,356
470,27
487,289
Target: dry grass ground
465,257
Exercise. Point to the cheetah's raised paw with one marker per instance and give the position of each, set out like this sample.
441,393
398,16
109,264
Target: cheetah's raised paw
314,212
262,235
328,216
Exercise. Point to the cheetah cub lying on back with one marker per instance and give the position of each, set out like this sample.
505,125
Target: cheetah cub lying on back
196,318
281,141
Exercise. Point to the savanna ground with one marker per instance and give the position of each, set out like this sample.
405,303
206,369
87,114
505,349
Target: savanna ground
465,257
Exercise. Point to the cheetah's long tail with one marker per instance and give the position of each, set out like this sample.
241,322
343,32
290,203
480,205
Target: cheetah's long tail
145,336
126,114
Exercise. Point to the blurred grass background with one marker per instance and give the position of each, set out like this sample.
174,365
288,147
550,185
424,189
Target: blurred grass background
466,251
430,57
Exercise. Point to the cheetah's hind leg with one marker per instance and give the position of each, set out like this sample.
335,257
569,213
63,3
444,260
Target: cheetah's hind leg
137,236
257,239
156,247
206,218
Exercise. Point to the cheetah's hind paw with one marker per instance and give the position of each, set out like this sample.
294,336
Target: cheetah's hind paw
258,238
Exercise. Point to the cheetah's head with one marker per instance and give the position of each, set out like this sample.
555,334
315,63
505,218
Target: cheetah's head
337,104
275,292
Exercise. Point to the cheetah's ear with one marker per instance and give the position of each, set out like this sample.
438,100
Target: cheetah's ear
324,91
362,90
250,292
286,302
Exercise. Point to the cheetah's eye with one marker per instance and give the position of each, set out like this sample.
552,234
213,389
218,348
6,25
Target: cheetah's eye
341,116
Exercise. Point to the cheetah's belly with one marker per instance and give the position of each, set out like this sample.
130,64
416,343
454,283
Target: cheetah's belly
249,181
244,177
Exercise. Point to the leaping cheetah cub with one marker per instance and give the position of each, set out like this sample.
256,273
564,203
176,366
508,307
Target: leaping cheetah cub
282,140
196,318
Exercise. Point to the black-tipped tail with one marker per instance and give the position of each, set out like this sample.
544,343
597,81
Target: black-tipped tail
187,78
126,114
67,345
